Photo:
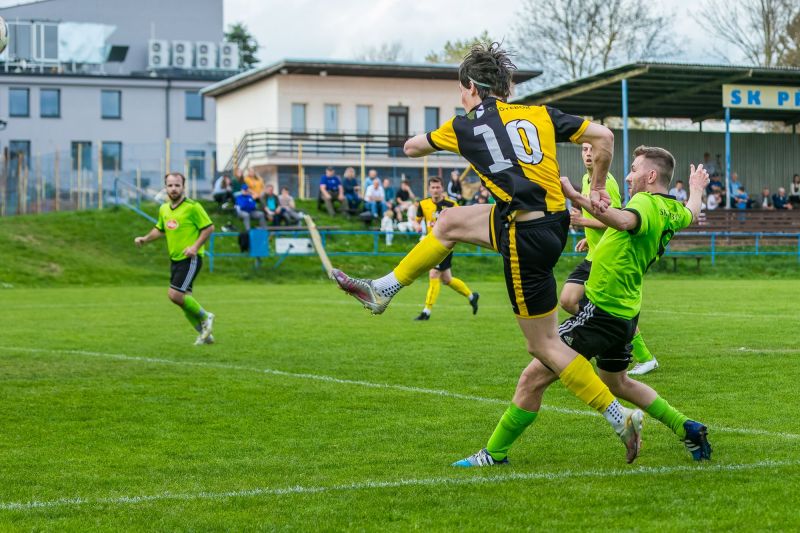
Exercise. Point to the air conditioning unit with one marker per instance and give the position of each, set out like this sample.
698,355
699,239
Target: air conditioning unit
205,54
182,54
157,54
229,56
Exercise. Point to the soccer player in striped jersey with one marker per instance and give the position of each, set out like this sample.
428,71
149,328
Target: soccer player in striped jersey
512,148
573,290
187,227
429,210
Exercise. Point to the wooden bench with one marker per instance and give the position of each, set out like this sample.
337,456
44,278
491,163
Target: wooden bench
750,220
675,259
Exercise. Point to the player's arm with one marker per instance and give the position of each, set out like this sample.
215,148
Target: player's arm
418,146
698,180
205,233
577,219
602,141
612,217
154,234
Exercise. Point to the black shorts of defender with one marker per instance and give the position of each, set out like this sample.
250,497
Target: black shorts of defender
580,275
530,250
184,272
446,263
595,333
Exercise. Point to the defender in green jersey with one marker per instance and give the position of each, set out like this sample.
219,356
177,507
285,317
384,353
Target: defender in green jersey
573,290
187,226
605,324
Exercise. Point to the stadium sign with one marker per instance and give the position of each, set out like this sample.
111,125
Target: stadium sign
761,97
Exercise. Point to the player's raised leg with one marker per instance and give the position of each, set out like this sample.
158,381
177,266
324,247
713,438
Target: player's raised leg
468,224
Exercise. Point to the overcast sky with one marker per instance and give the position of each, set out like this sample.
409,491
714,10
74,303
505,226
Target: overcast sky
341,29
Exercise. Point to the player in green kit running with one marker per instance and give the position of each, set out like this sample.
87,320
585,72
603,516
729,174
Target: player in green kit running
605,324
573,289
187,227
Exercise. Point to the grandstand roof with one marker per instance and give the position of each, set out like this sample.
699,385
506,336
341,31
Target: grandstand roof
666,90
428,71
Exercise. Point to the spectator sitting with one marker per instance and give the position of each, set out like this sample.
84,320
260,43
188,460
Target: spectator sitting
375,198
272,206
714,183
482,196
237,182
403,200
734,185
679,192
331,190
290,213
352,190
714,200
255,183
454,189
247,208
765,202
794,191
223,191
780,200
389,193
741,198
387,226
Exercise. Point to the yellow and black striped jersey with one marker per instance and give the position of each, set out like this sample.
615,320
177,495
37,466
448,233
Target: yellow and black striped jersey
429,210
513,150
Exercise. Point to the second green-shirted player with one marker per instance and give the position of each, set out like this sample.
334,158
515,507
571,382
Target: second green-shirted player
573,289
187,226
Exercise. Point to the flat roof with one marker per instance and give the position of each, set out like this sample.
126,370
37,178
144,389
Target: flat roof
666,90
425,71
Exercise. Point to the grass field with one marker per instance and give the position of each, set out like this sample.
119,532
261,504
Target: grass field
309,414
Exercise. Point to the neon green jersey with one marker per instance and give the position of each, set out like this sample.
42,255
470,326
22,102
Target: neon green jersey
182,225
593,236
622,257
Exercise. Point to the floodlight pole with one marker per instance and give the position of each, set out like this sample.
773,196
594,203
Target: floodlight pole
625,135
728,157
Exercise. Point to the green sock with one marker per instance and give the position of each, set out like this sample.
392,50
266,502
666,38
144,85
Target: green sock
193,306
662,411
640,351
511,426
193,320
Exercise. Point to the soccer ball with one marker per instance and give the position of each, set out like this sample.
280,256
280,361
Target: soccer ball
3,35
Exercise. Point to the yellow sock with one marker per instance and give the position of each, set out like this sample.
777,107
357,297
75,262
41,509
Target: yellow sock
428,253
580,379
460,287
434,284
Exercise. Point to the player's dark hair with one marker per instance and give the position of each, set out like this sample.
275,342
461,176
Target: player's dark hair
435,179
487,66
181,176
661,159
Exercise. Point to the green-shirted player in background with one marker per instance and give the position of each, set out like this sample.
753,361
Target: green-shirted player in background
187,227
573,289
605,324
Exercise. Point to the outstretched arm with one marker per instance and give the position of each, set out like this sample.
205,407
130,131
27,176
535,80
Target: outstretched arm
153,235
611,216
698,180
418,146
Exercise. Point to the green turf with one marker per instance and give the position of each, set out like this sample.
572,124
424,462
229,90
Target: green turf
103,398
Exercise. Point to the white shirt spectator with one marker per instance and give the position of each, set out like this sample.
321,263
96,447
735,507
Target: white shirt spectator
712,202
679,194
375,194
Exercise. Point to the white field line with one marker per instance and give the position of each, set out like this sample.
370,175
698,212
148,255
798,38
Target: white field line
401,483
744,349
360,383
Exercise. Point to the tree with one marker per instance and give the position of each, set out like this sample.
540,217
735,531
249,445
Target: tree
757,29
248,46
454,52
393,52
792,39
573,38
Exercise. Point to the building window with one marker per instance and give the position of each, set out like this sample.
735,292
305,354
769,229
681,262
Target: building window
19,156
431,118
460,111
46,42
362,119
111,102
331,118
298,118
20,41
194,106
50,103
82,152
19,104
196,160
112,156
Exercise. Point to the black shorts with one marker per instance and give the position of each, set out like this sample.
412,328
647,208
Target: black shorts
530,250
183,273
581,273
595,333
445,264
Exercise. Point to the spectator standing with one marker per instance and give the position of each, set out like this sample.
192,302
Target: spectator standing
741,198
454,189
247,209
255,183
679,192
375,198
387,226
352,190
780,200
331,190
794,191
290,213
223,191
765,202
709,165
735,184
